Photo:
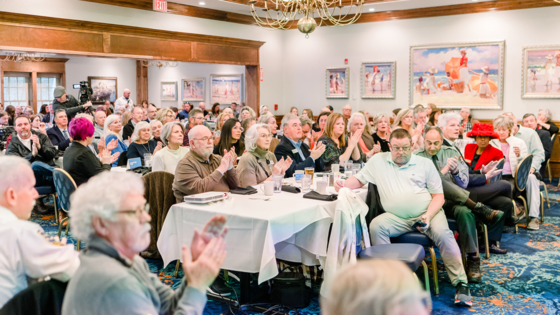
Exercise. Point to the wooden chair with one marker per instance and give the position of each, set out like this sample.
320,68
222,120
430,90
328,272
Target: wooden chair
65,186
521,177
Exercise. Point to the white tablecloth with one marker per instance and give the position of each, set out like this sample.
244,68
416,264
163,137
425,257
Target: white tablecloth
287,227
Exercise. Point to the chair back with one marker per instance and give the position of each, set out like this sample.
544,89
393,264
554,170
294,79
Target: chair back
123,159
522,173
159,195
41,298
552,139
500,166
65,186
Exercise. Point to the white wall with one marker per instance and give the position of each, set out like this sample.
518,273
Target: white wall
186,70
80,68
305,60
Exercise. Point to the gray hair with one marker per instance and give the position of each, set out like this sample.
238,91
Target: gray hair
445,118
547,114
504,121
264,119
248,109
430,128
252,136
10,168
354,115
167,129
86,116
376,120
262,107
418,110
109,120
139,126
155,122
466,109
287,119
305,121
194,131
114,187
529,115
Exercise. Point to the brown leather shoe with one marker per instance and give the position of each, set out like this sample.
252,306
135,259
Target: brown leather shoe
487,215
40,207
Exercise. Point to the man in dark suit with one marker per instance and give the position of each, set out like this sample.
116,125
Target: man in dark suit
49,117
291,146
137,115
59,134
530,121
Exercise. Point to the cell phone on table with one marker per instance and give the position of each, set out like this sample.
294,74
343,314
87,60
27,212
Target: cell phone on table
418,224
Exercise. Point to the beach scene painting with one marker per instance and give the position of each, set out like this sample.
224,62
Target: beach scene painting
168,91
378,79
541,72
459,75
337,82
227,89
192,89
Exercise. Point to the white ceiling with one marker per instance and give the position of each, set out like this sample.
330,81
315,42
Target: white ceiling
223,5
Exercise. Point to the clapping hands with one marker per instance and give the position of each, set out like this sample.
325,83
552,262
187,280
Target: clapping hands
281,166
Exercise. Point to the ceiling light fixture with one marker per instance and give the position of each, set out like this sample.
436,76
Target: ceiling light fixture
371,9
159,63
20,57
282,14
201,3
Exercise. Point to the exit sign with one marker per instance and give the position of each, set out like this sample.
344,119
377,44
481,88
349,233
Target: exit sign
160,5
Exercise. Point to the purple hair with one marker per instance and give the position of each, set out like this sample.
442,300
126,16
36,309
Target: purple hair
81,128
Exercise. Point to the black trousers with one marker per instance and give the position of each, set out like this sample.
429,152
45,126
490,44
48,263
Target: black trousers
497,196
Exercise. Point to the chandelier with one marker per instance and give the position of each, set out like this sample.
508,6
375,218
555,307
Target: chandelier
281,14
20,57
160,64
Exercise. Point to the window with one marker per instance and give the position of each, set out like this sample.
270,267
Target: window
45,88
16,90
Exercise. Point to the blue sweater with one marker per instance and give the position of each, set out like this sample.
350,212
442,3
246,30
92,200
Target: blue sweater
121,147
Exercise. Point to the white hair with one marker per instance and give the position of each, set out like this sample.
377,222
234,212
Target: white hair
109,120
155,122
547,113
167,129
445,118
10,168
287,119
126,90
102,197
194,131
264,118
86,116
247,108
139,126
354,115
263,106
252,136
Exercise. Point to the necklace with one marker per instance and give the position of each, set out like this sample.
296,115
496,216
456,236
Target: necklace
148,148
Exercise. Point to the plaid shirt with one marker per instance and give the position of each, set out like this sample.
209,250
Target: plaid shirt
186,136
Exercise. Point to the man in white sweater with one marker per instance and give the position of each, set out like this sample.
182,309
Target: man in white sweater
25,252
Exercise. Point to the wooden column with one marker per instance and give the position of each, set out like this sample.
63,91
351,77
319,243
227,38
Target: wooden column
34,85
252,87
141,82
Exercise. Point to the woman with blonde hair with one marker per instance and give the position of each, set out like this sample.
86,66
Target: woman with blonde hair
382,131
220,121
113,131
246,112
165,115
126,118
307,113
294,111
338,149
142,142
405,121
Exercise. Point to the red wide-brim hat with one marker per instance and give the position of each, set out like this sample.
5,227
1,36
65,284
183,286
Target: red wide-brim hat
480,129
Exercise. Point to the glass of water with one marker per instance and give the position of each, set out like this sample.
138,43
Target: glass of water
306,183
277,179
356,167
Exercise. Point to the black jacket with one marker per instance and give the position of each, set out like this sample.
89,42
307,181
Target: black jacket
285,148
546,141
57,138
81,163
71,106
128,130
47,118
46,154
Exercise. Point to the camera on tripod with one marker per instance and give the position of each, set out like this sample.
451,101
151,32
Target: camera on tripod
85,92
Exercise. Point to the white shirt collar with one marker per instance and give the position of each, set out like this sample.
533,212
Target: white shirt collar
26,142
6,216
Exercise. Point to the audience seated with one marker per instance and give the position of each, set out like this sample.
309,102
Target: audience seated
26,251
230,138
405,121
320,124
201,171
48,118
166,159
382,131
214,111
112,277
156,127
530,121
263,110
271,122
184,114
481,153
420,118
307,131
294,111
346,112
544,120
196,118
58,134
235,109
291,147
142,142
338,147
258,164
307,113
466,122
246,112
99,133
113,131
229,111
392,173
247,123
377,286
41,127
37,149
430,108
366,145
220,121
125,118
128,129
515,149
166,115
152,112
434,116
531,139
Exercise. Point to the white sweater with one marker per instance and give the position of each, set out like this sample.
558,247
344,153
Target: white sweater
166,160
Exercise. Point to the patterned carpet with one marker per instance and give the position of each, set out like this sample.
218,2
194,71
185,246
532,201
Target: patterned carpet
525,281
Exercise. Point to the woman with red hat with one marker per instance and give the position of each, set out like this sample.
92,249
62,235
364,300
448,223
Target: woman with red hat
481,153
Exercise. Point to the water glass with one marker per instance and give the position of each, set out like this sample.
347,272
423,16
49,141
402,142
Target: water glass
306,183
147,159
335,168
298,175
356,167
348,166
277,180
322,186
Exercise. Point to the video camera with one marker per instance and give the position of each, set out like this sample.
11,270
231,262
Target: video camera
85,92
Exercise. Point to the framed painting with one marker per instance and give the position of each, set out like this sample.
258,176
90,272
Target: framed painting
458,75
337,82
193,89
378,79
168,91
104,89
227,88
541,72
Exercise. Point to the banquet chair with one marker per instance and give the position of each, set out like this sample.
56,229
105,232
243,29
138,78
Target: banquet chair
520,179
123,159
65,186
552,139
49,191
40,298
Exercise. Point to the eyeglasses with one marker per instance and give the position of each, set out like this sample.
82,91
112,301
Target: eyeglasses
205,139
138,212
265,136
239,128
403,149
170,116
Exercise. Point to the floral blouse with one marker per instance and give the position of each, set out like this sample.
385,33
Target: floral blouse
333,152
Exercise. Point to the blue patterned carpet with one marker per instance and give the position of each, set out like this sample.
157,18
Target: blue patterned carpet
525,281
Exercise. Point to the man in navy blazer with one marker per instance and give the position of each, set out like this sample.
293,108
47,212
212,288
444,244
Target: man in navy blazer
59,134
299,152
49,117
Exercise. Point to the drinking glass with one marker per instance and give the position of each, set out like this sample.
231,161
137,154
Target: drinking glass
298,176
306,183
348,166
310,171
356,167
148,159
335,168
277,179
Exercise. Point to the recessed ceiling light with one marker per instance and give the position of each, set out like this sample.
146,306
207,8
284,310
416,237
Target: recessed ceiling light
474,0
371,9
201,3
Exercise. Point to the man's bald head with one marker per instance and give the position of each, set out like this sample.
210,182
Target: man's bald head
201,141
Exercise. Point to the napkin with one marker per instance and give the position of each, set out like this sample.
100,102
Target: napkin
244,191
317,196
291,189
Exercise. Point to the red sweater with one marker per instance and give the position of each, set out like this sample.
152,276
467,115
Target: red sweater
489,154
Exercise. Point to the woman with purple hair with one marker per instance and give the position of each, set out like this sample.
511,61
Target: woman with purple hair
79,160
